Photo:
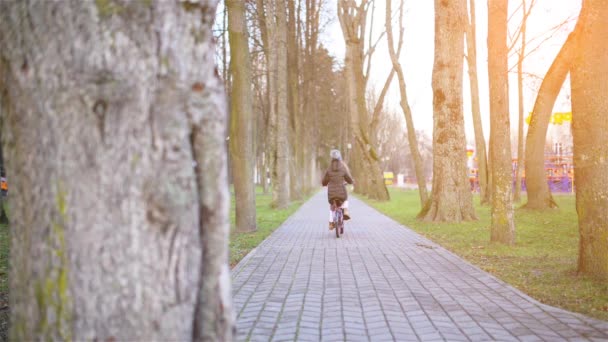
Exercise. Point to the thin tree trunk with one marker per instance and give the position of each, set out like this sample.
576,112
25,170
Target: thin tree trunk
451,199
268,151
503,226
283,115
520,122
539,196
294,105
480,142
241,126
520,98
377,113
115,235
589,83
411,132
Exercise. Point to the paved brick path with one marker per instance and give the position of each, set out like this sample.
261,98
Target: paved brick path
382,282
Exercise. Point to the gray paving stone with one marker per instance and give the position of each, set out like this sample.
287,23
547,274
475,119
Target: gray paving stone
377,283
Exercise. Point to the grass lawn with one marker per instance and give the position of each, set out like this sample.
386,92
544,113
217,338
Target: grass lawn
542,264
268,220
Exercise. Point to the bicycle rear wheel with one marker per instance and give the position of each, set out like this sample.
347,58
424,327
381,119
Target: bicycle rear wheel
338,222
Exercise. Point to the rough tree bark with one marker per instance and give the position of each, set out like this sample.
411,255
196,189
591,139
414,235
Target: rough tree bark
451,198
589,80
366,170
539,196
241,118
116,236
480,141
503,226
407,112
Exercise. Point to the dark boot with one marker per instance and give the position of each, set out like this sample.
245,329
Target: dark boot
346,215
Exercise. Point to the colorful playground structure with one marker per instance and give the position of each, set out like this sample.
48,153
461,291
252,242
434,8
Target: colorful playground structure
559,172
559,168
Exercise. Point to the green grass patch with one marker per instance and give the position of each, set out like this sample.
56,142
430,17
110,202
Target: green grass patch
268,220
542,264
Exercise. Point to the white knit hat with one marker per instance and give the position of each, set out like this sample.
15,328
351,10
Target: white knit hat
335,154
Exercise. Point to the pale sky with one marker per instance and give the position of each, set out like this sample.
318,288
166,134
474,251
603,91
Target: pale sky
417,56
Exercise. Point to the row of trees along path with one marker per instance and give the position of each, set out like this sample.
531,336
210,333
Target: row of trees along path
101,99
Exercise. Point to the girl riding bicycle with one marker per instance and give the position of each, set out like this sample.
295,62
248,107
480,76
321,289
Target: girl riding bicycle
336,177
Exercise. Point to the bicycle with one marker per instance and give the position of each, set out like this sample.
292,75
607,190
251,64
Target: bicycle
336,208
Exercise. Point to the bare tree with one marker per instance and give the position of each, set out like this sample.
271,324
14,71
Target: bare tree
480,142
451,198
589,127
521,53
503,226
106,107
407,112
241,126
367,172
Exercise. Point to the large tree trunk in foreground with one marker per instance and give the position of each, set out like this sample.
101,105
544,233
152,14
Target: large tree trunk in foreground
539,196
480,142
366,166
451,198
503,226
115,235
407,112
242,147
589,79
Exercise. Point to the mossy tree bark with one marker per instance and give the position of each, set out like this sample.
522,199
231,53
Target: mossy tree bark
242,149
503,225
589,80
106,106
451,198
